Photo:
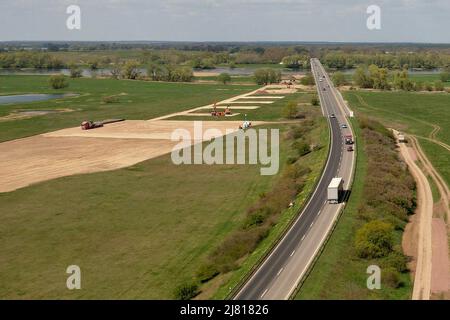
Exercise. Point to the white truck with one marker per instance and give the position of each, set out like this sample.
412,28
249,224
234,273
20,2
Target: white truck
335,190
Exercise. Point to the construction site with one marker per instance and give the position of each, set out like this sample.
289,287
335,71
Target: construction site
113,144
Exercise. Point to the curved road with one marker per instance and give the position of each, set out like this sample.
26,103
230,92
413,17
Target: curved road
278,276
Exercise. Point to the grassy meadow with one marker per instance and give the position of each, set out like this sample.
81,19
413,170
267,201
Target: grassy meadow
414,113
136,100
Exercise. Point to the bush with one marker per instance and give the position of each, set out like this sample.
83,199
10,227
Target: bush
290,110
428,86
224,78
391,278
207,272
445,76
398,261
339,79
302,148
130,70
374,239
58,81
110,99
75,72
267,76
186,291
315,101
439,86
308,80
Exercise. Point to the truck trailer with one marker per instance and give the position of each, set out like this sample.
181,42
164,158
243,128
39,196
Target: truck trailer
335,190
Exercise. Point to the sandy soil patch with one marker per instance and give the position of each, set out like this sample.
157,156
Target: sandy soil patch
206,74
74,151
31,160
235,107
440,279
248,102
263,97
140,129
280,91
409,242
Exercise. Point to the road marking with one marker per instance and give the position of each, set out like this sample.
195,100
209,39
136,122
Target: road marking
303,238
279,272
264,293
311,225
292,253
318,213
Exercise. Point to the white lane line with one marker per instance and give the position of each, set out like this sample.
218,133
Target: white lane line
292,253
264,293
303,238
311,225
279,272
318,213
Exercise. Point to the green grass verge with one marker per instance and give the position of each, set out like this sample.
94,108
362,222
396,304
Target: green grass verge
337,274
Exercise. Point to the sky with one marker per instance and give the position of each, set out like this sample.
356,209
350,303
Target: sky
226,20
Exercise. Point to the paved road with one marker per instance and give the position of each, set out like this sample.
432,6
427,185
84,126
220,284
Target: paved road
280,273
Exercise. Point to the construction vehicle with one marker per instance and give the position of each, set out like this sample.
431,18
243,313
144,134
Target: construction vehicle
89,125
246,125
349,139
335,190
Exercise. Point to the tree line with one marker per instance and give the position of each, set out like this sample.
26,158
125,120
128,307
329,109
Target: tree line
373,77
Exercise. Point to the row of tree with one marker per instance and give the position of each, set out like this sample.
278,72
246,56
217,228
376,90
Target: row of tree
374,77
388,60
37,60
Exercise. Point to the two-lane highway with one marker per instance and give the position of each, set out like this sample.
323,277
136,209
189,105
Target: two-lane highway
282,270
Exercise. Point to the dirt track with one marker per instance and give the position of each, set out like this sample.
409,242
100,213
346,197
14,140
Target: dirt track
422,281
440,281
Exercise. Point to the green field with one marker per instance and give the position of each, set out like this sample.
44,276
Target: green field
139,101
432,77
413,113
137,232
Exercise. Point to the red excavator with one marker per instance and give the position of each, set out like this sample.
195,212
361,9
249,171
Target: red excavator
89,125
